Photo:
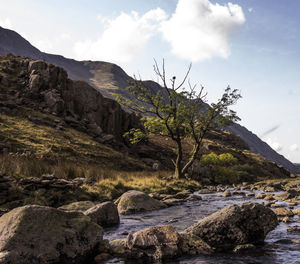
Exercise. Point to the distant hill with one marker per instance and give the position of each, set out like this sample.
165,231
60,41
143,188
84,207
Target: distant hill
110,79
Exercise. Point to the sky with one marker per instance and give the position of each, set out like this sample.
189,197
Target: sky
251,45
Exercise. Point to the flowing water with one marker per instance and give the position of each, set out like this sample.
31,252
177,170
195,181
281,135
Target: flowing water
279,247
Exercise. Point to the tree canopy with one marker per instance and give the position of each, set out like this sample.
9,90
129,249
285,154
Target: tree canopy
178,111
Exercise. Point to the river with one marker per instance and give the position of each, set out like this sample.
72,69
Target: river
278,247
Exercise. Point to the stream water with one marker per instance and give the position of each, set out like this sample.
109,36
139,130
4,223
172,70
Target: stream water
278,247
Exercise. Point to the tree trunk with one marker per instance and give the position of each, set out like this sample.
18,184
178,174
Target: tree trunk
178,164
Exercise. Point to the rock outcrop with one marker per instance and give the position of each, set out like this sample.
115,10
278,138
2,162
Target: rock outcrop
136,201
81,105
247,223
36,234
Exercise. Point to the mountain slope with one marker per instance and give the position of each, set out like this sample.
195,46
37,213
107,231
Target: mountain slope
109,79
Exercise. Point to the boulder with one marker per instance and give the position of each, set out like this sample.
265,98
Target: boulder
35,234
80,206
173,201
281,211
234,225
157,242
193,245
104,214
136,201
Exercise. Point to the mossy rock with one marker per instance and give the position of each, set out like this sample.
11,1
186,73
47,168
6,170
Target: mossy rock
136,201
38,234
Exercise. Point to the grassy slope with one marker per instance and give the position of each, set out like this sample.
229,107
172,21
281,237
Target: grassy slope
38,147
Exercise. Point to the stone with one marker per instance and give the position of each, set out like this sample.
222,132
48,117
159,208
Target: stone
193,245
281,211
155,243
269,197
194,197
101,257
234,225
104,214
35,234
80,206
250,194
296,211
226,193
136,201
243,248
173,201
294,229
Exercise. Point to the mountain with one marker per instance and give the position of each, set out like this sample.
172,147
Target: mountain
110,79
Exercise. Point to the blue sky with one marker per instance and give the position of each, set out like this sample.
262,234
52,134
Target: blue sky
252,45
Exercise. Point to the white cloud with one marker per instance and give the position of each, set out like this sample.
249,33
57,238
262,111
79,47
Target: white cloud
6,23
123,38
250,9
200,30
294,147
274,144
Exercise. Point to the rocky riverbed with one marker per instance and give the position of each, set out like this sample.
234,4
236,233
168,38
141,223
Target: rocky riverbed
244,224
281,246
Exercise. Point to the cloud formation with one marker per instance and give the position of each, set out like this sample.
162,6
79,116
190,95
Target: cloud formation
200,30
196,31
123,38
294,147
6,23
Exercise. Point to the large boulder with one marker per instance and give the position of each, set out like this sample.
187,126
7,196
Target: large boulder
153,243
234,225
104,214
37,234
136,201
159,242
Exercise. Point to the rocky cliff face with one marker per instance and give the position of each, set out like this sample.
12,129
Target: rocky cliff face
47,88
109,79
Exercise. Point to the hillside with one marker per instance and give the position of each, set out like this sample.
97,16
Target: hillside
110,79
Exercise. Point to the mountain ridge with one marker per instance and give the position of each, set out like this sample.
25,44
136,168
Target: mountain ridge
110,79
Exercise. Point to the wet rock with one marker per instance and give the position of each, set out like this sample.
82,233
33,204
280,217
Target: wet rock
260,196
104,214
250,194
281,211
238,193
296,211
270,189
287,219
118,246
155,243
226,193
37,234
136,201
294,229
193,245
269,197
235,225
81,206
173,201
243,248
101,257
194,197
